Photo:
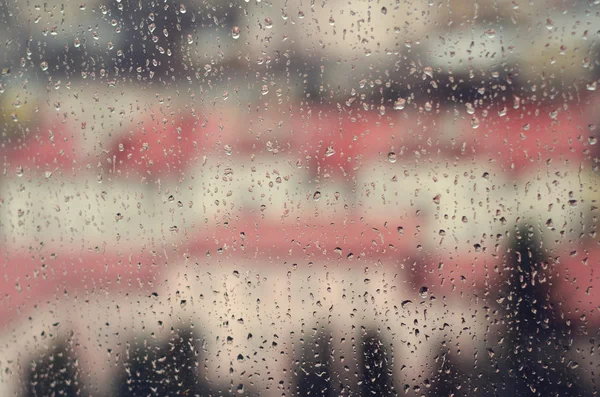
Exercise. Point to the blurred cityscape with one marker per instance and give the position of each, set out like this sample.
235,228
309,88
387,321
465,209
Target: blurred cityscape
291,198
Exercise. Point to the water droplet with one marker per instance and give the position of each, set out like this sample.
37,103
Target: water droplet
428,70
182,8
392,157
470,108
563,49
592,140
591,86
235,32
475,122
268,22
399,104
516,102
330,151
44,65
317,196
423,291
491,33
383,10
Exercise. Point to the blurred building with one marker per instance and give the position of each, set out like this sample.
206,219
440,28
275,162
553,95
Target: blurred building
290,198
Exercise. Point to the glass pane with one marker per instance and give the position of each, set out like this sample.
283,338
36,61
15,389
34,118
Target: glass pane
299,198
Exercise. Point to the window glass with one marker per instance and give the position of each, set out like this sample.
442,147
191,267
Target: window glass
299,198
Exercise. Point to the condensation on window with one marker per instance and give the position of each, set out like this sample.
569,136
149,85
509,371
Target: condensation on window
299,198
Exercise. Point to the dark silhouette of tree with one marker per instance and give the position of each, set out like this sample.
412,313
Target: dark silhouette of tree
170,369
53,374
314,373
376,376
533,364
